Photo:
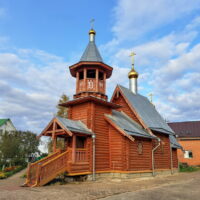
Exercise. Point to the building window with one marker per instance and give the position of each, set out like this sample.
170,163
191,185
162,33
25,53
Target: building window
91,73
81,75
188,154
140,148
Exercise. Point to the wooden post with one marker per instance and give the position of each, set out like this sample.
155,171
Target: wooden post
77,83
104,82
28,173
97,80
85,78
54,136
73,148
38,174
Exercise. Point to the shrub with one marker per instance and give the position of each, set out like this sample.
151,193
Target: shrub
186,168
2,175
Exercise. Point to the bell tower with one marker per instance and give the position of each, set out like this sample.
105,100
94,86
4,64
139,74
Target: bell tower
91,72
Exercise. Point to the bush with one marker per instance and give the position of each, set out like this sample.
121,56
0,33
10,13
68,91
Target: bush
2,175
186,168
8,172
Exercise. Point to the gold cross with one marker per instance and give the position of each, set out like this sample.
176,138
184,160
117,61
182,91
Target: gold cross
92,23
132,58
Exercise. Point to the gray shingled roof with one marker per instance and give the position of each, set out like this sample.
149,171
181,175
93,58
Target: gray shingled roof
74,125
129,126
147,111
91,53
174,142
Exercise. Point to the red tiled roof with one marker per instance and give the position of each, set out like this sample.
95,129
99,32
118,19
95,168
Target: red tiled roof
186,129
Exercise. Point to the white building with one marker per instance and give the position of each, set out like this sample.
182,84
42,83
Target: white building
6,125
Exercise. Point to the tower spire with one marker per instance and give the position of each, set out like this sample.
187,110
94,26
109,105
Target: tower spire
133,75
92,32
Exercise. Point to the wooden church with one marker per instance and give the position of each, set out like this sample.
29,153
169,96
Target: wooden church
124,137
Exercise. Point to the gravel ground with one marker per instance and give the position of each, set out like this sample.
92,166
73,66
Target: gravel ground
183,186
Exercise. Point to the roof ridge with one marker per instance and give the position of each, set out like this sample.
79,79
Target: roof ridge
184,122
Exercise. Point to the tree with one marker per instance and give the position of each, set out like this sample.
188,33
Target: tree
16,147
62,111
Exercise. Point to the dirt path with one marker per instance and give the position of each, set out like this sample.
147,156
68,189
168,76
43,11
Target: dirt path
171,187
14,182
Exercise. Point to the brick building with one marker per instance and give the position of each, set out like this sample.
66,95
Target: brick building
189,137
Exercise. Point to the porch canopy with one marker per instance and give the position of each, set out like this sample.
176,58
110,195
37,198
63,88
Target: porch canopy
59,126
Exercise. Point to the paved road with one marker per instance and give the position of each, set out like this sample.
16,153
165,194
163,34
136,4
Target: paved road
189,189
183,186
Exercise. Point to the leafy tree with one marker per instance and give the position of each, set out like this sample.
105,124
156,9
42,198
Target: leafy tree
62,111
60,144
16,147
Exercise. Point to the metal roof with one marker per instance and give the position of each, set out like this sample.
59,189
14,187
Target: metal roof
186,129
147,111
3,121
174,142
74,125
129,126
91,53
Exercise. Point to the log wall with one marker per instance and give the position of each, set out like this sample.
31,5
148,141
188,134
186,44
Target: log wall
140,161
175,158
162,154
101,129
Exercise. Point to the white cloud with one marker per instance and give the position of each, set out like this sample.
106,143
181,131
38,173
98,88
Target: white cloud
31,83
136,18
169,65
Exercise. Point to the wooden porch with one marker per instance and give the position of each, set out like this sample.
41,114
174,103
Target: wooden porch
73,158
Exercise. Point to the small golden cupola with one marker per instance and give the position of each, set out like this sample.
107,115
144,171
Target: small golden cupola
91,72
133,75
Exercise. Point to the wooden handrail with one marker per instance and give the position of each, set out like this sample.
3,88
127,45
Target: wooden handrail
33,167
47,157
52,168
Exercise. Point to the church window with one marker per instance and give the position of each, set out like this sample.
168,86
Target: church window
162,147
140,148
91,73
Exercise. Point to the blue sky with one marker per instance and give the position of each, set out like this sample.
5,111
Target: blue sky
40,39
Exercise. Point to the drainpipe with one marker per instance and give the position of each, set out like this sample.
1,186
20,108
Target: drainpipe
153,163
171,159
93,157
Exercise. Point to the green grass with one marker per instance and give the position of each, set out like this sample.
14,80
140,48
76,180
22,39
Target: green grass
188,168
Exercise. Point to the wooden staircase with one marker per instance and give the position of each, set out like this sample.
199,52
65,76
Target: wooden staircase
46,169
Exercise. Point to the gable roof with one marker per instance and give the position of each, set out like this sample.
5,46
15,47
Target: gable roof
91,53
74,125
146,111
129,126
186,129
3,121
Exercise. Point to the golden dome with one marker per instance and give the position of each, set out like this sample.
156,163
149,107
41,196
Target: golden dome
132,74
92,31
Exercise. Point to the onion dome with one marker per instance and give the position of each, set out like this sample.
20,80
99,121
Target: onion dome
133,74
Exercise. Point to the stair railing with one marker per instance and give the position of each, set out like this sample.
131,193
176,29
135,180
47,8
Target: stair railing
33,167
52,168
